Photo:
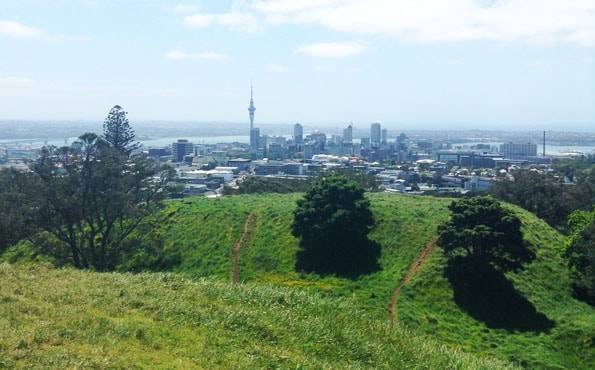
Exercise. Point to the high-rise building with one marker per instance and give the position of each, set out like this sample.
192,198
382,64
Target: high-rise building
254,139
181,148
348,134
518,151
384,136
375,135
298,135
365,142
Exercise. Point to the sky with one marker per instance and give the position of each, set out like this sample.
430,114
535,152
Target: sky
492,64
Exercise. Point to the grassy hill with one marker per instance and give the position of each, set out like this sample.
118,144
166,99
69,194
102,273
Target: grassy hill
530,318
65,318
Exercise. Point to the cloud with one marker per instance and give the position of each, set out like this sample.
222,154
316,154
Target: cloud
430,21
198,20
178,55
273,67
237,21
331,49
16,29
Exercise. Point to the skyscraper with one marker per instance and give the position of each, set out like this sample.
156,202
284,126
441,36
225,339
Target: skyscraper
180,149
375,134
254,139
348,134
384,136
298,135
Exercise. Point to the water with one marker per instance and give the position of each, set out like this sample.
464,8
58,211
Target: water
245,139
549,149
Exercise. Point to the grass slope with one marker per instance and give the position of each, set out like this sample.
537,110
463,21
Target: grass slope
66,318
203,231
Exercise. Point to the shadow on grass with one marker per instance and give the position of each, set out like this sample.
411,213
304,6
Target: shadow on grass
488,296
347,258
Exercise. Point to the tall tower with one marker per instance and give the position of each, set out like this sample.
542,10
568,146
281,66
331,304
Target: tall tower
251,108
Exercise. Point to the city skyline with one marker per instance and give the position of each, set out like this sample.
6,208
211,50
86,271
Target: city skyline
192,61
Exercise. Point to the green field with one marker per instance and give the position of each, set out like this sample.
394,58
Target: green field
61,319
545,327
530,319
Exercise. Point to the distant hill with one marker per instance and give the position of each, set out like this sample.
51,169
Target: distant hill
530,319
60,319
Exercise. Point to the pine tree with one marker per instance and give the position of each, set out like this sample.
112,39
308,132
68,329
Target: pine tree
117,131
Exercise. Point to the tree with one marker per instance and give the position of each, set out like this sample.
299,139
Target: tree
544,195
482,233
581,255
15,205
333,220
117,131
92,198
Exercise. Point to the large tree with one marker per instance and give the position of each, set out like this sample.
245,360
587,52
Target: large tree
117,131
91,198
581,255
332,221
16,208
482,232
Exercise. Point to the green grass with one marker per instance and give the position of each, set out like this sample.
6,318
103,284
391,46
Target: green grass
64,318
203,232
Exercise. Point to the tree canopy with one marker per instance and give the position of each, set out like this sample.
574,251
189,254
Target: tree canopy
481,231
333,220
581,255
117,131
91,197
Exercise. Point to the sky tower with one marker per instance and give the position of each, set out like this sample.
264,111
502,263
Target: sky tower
251,108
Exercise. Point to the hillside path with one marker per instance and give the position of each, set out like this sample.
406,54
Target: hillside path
414,268
247,234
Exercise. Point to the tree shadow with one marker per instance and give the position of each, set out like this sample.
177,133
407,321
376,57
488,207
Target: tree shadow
488,296
347,258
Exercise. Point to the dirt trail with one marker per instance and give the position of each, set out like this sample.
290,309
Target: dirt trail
249,229
414,268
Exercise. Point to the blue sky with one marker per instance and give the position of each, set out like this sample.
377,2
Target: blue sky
411,64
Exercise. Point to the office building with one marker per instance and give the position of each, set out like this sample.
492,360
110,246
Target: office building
180,149
375,134
384,136
254,139
518,150
348,134
298,135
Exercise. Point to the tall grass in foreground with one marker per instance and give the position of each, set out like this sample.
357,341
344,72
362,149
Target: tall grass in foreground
72,319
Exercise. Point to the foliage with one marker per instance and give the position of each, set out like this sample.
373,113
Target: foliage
581,255
484,233
571,167
333,221
258,185
161,320
365,180
92,198
117,131
545,195
16,208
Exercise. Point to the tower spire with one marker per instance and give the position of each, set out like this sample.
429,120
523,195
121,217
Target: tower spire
251,108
